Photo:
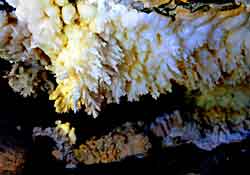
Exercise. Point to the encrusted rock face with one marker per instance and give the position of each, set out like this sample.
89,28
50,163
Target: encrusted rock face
64,137
12,158
120,143
220,116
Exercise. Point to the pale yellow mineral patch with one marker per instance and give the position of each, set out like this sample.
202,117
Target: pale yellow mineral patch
149,3
61,2
68,13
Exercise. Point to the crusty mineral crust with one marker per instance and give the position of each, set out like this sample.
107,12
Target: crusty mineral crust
102,50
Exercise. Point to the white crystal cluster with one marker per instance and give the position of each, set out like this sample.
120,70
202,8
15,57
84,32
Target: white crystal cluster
101,50
27,75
